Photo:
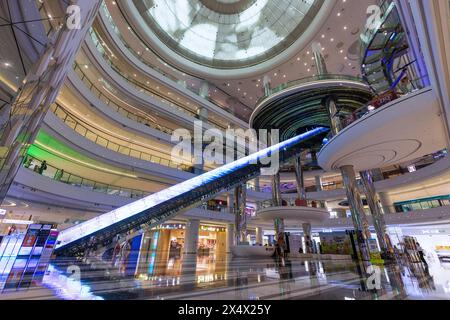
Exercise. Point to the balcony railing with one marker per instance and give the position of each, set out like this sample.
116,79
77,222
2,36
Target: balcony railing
297,82
84,130
143,87
372,106
104,98
61,175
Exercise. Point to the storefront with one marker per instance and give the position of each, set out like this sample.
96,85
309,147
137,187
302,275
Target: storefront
171,238
211,240
435,240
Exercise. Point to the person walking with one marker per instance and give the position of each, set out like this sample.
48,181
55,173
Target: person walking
421,253
43,167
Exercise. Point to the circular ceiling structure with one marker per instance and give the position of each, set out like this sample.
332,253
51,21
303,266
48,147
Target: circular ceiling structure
227,34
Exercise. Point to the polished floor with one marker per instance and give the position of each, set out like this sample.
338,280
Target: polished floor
219,278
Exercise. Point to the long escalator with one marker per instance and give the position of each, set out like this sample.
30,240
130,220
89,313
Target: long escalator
161,206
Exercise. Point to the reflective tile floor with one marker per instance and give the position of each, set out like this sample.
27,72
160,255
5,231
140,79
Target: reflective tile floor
220,278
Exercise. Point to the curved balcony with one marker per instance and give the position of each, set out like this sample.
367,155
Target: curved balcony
60,175
119,146
32,186
401,130
138,115
298,105
143,87
294,213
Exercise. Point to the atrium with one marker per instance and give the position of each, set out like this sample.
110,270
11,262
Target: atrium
224,150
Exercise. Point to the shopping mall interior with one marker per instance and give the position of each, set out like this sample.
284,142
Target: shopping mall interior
224,149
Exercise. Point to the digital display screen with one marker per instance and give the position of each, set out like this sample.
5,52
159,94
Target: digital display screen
105,220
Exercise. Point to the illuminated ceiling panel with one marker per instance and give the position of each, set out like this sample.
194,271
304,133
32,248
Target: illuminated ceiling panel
228,33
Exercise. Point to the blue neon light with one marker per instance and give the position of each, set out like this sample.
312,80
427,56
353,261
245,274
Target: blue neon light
105,220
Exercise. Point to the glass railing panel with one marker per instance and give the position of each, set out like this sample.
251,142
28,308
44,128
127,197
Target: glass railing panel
60,175
81,130
97,92
106,143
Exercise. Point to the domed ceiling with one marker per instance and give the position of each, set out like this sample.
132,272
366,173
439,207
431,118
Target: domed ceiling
228,34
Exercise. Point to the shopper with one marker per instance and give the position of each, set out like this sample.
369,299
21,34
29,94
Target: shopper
27,162
421,253
43,167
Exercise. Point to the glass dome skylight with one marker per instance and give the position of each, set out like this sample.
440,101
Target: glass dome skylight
228,33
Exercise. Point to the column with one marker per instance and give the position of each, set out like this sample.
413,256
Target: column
319,59
240,201
230,237
415,51
191,237
40,88
230,204
386,203
357,209
266,85
204,90
276,191
333,112
257,184
259,235
301,194
377,175
189,264
308,237
318,183
431,25
278,222
377,215
203,114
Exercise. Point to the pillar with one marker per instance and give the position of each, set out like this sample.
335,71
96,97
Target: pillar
203,114
266,85
257,184
204,90
240,202
276,191
318,183
386,203
191,237
278,202
230,237
357,209
333,112
40,88
259,235
301,194
377,214
415,53
308,237
319,59
230,203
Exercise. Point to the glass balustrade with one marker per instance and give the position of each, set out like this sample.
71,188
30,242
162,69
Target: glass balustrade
371,106
84,130
60,175
297,82
141,87
104,98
